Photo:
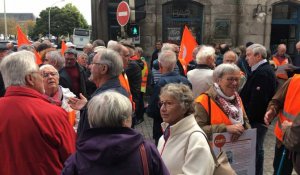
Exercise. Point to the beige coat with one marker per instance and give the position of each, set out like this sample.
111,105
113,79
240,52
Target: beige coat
186,153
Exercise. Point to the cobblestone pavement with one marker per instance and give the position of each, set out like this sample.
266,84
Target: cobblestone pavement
146,129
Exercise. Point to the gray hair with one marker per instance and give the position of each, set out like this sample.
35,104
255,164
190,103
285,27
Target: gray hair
16,66
167,59
230,52
168,46
204,53
56,59
48,66
113,60
109,109
26,47
258,49
139,50
114,45
182,93
223,69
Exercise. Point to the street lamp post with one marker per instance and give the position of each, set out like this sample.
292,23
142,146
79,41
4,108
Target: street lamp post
5,22
49,18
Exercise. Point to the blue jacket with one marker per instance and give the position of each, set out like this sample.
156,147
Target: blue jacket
112,84
109,151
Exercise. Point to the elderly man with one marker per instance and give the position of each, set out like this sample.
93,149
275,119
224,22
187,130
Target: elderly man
285,106
36,137
256,94
167,62
105,70
55,59
201,76
73,76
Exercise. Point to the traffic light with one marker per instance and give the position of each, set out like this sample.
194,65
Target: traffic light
133,30
137,10
114,29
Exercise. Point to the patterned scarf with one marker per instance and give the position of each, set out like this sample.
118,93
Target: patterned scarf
232,106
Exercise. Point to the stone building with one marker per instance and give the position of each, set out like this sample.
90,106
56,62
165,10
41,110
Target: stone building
234,22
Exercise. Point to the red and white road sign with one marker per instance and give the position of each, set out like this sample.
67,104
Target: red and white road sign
123,13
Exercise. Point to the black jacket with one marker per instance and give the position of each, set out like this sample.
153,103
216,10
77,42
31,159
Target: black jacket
65,80
258,91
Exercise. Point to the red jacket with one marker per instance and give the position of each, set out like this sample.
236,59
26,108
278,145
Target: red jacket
35,136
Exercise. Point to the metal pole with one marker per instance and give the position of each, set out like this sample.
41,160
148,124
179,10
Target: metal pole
5,22
49,23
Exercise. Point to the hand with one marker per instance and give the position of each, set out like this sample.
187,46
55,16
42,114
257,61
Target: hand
285,124
236,129
76,103
269,116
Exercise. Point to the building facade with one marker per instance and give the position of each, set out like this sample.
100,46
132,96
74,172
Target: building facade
235,22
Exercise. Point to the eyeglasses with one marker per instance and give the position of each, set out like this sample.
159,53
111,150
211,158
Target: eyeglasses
232,79
167,104
46,74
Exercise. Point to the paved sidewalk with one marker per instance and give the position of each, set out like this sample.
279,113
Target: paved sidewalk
146,129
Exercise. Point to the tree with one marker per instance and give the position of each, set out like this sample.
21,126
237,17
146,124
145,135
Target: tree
63,21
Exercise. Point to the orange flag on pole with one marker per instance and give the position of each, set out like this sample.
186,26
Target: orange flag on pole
22,39
188,43
63,47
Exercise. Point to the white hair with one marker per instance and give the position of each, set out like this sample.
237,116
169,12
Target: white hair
16,66
204,53
109,109
223,69
168,46
48,66
55,58
167,59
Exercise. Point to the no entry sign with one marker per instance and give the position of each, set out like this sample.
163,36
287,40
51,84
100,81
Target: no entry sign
123,13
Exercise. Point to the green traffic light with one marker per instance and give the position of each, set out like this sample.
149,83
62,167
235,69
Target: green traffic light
135,32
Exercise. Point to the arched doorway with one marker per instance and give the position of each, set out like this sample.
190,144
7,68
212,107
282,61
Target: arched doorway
285,26
178,13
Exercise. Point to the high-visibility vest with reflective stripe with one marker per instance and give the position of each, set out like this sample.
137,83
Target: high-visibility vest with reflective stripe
125,84
291,106
280,63
144,77
217,116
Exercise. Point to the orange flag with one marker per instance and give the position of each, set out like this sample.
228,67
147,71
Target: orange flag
22,39
188,43
63,47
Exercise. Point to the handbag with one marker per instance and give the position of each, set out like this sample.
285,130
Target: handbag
222,166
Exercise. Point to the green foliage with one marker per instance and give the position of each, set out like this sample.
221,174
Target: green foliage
62,21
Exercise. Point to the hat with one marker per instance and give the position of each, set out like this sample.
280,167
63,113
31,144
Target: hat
70,44
3,45
71,51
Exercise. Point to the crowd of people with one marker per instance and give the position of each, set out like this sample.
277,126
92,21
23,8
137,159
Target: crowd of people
76,112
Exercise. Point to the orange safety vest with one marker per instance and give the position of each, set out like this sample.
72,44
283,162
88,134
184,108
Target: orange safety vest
291,105
125,84
144,77
277,63
217,116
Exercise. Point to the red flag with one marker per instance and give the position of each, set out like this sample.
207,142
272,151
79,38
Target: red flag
22,39
63,47
188,43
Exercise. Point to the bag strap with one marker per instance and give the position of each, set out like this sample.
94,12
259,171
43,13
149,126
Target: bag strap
144,159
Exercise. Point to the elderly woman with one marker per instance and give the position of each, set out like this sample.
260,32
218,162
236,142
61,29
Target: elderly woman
220,109
110,146
183,147
58,95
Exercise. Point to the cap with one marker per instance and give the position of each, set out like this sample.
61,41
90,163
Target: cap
71,51
70,44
